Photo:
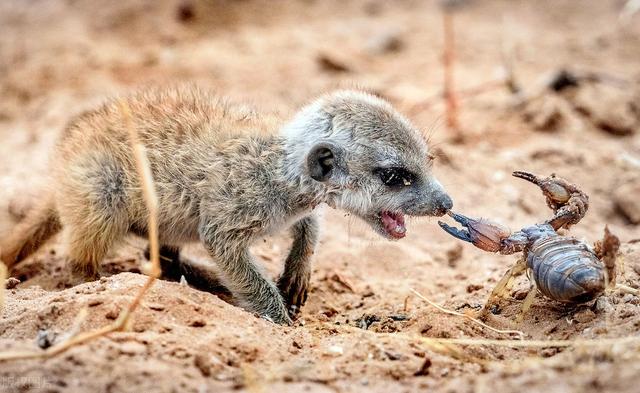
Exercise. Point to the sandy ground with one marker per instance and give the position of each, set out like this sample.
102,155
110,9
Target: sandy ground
58,58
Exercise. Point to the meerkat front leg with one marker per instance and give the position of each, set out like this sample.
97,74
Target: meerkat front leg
294,282
243,278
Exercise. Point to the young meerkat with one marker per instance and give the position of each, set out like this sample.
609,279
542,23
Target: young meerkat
222,180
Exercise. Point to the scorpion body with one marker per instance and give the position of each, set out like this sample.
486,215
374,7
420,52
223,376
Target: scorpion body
565,269
562,268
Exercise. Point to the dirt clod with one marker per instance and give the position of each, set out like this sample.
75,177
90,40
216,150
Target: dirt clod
11,283
197,322
185,11
203,363
423,371
332,64
546,114
584,316
607,107
112,312
627,202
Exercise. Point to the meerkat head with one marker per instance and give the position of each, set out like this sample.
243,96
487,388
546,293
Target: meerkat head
367,158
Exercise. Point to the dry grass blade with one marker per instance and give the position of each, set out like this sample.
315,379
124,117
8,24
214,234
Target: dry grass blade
148,191
438,343
151,200
459,314
627,289
597,342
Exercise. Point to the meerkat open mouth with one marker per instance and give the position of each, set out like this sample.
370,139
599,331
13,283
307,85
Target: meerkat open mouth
393,224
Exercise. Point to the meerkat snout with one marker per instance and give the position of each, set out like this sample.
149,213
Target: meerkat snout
377,164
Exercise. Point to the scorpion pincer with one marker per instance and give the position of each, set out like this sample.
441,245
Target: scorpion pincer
562,268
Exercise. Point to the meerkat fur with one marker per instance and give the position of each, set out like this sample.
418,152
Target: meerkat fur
227,176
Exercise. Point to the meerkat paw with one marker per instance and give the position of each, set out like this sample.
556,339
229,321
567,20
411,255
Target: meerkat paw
275,312
82,272
294,289
279,320
282,319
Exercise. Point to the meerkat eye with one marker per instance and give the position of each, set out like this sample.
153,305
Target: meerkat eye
396,177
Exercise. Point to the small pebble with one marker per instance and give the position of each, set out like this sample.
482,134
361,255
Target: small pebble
95,302
45,338
156,306
384,42
113,313
335,350
11,283
584,316
198,322
604,305
626,201
203,363
132,348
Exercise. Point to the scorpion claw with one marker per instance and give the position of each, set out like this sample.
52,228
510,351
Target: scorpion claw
484,234
463,220
455,232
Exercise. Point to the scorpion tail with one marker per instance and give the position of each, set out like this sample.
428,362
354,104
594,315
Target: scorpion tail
527,176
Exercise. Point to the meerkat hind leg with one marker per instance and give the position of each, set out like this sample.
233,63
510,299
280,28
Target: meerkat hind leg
89,244
92,206
175,266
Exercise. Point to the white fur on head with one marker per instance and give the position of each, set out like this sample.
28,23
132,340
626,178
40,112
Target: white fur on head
314,124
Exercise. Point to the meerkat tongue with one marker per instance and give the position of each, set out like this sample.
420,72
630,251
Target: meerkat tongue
394,224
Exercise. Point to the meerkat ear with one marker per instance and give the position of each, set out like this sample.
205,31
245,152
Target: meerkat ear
323,160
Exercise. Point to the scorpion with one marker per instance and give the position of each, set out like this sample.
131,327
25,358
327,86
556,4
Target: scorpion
562,268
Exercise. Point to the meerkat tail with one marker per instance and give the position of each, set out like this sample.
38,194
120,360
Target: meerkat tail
32,232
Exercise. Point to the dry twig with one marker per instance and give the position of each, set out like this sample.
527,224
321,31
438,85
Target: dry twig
459,314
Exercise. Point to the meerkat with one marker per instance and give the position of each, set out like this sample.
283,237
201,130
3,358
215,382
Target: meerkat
226,176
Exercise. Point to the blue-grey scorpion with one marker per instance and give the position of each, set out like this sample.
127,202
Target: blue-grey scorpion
562,268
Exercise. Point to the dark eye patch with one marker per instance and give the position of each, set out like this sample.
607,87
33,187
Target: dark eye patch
396,177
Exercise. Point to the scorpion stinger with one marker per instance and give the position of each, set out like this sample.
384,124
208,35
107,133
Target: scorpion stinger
527,176
567,201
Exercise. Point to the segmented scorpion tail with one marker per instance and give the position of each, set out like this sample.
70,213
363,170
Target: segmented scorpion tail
528,177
